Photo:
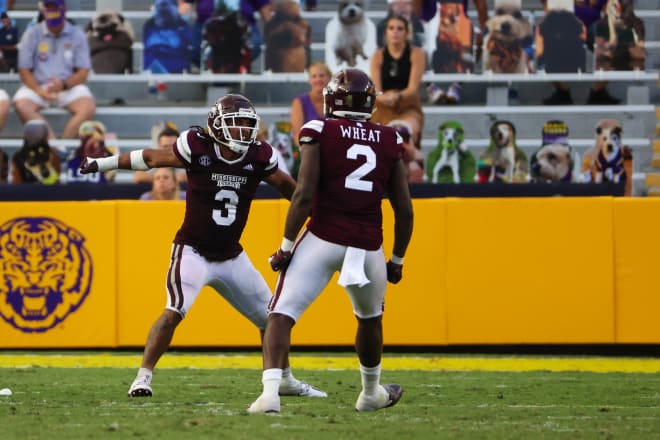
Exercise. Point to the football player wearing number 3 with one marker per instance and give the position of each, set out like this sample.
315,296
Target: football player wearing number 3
224,163
347,165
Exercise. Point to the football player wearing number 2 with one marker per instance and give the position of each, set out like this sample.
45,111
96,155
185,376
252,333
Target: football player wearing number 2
224,163
347,165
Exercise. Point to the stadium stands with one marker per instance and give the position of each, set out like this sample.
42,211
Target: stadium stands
272,93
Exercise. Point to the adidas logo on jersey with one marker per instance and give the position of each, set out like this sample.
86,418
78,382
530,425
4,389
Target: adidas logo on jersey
248,167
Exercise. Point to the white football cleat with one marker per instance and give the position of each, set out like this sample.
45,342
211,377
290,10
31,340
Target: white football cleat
388,395
300,389
265,404
141,387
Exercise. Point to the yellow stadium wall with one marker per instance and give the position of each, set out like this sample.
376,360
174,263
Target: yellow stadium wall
478,271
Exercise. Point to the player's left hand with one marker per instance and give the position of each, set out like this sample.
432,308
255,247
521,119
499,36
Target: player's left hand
89,166
394,272
280,260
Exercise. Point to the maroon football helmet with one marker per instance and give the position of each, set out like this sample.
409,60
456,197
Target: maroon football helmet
350,94
226,114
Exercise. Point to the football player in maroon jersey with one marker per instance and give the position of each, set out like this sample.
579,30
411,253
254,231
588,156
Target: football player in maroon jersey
347,165
224,165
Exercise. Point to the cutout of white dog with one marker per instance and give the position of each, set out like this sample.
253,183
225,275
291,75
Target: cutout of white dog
350,37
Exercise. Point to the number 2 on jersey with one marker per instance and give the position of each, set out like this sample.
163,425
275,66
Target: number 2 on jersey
356,180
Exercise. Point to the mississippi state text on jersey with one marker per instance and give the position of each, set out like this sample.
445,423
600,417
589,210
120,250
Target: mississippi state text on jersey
357,158
219,193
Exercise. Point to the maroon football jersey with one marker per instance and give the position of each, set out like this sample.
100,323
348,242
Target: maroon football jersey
357,159
219,193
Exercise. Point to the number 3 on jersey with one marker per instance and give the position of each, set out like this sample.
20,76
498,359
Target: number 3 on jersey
226,215
355,179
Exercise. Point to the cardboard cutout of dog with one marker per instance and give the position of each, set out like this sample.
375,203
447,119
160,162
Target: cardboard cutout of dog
110,39
619,38
560,39
413,158
452,49
552,163
35,161
350,37
503,161
508,36
555,161
281,138
226,44
451,161
609,160
92,135
287,36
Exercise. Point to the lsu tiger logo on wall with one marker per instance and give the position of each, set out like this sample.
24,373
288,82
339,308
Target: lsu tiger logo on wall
45,272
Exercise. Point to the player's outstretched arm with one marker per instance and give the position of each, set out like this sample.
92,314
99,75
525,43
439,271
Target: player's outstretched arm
135,160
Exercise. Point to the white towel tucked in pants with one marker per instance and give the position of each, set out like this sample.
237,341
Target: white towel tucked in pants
352,269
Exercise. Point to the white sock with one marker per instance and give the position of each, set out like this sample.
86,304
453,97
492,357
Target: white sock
370,379
287,377
142,372
271,380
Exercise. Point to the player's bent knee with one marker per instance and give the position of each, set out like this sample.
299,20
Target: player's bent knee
171,318
281,320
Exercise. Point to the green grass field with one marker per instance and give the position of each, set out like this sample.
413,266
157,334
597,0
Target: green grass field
209,402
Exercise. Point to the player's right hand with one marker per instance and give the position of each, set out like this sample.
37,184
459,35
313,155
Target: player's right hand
280,260
394,272
89,166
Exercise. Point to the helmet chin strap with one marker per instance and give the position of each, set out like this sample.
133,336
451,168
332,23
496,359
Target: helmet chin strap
229,146
235,149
